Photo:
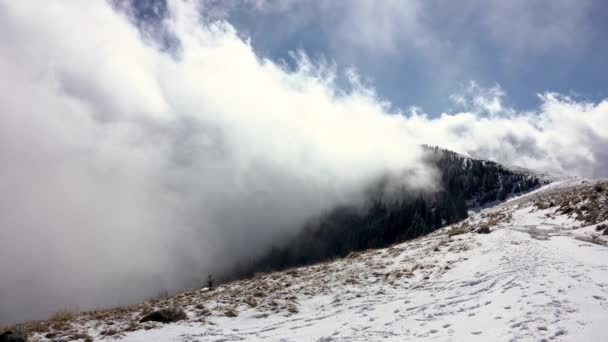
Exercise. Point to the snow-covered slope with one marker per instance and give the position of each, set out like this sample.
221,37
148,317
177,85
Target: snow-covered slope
536,276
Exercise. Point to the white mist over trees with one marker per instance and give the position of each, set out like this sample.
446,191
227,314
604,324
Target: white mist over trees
127,170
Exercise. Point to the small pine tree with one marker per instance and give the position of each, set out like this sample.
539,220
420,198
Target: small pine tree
210,282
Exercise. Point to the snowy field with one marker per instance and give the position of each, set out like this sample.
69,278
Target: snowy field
537,276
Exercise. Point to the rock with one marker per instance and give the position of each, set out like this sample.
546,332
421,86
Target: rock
167,315
9,336
484,230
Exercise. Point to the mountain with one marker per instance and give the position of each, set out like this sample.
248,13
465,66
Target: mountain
532,268
385,219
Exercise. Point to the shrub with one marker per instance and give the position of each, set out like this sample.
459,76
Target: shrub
292,308
166,315
231,312
456,231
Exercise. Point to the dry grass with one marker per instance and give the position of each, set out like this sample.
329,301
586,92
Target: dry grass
132,326
58,321
109,332
259,293
231,312
62,316
354,254
251,302
164,294
441,243
596,240
292,308
484,229
457,231
588,205
79,336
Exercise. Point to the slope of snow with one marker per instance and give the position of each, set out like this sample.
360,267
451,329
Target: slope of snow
531,279
511,287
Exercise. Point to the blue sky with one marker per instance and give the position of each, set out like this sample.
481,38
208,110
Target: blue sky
417,53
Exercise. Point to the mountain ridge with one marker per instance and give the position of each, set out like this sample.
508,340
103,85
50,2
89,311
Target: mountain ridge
464,183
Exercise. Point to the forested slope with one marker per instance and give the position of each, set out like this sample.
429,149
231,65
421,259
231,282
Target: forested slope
405,214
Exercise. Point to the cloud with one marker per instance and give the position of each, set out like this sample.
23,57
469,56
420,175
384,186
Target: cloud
563,135
128,170
481,100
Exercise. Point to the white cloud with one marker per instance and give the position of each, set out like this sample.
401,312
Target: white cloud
562,136
126,171
481,100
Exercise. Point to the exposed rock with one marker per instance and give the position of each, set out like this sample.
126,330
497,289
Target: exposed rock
9,336
484,230
167,315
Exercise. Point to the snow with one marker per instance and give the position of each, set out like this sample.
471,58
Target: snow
510,287
531,279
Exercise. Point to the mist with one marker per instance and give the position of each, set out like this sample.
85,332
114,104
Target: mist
128,169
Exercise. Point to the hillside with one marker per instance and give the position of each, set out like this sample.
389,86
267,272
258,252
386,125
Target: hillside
390,216
533,268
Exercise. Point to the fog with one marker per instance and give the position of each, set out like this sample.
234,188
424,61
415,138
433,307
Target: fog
127,169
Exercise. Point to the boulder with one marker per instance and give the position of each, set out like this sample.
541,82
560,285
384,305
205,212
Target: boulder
484,230
9,336
166,315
